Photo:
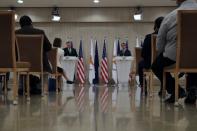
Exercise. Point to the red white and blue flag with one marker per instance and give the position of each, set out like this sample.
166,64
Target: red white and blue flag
80,66
104,65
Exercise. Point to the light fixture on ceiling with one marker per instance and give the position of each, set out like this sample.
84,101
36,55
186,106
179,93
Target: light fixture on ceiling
138,14
55,14
20,1
96,1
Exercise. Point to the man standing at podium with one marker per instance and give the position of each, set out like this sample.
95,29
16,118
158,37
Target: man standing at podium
124,51
69,50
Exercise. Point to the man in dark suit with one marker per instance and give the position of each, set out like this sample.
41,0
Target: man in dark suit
69,50
145,63
28,29
124,51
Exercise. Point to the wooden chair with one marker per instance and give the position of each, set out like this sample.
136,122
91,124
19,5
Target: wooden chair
31,50
138,58
186,48
52,55
3,82
148,73
8,61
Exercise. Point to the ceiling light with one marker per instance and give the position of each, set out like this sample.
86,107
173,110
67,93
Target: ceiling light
96,1
138,14
20,1
56,18
55,14
137,17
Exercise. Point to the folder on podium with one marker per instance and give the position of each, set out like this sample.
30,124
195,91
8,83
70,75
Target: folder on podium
123,68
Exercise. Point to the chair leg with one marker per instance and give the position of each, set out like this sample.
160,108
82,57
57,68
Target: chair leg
5,85
176,88
151,84
186,81
15,88
148,88
61,83
23,81
27,85
144,84
42,84
56,84
164,85
46,86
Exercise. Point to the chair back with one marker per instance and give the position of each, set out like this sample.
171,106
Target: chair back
187,39
7,40
30,49
138,52
153,47
52,56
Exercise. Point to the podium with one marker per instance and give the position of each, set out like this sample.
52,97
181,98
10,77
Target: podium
123,68
69,65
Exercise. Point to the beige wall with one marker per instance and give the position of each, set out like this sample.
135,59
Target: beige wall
96,23
93,14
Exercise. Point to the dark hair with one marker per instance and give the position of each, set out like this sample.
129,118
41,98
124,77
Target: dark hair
158,22
57,42
25,21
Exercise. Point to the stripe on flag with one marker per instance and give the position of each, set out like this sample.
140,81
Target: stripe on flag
80,65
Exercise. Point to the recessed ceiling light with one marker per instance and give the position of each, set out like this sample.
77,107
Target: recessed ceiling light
20,1
96,1
56,18
137,17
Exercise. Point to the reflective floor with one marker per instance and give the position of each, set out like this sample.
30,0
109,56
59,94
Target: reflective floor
97,108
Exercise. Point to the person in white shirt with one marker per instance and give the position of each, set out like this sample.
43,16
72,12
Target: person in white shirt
57,43
166,47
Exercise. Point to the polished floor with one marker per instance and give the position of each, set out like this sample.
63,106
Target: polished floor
97,108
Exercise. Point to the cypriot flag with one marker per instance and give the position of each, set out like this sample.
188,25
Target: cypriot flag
91,63
114,66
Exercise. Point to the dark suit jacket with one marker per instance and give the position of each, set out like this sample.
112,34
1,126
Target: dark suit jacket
126,53
30,30
146,51
67,53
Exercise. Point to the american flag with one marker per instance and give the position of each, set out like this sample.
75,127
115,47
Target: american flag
81,99
104,100
104,65
80,66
